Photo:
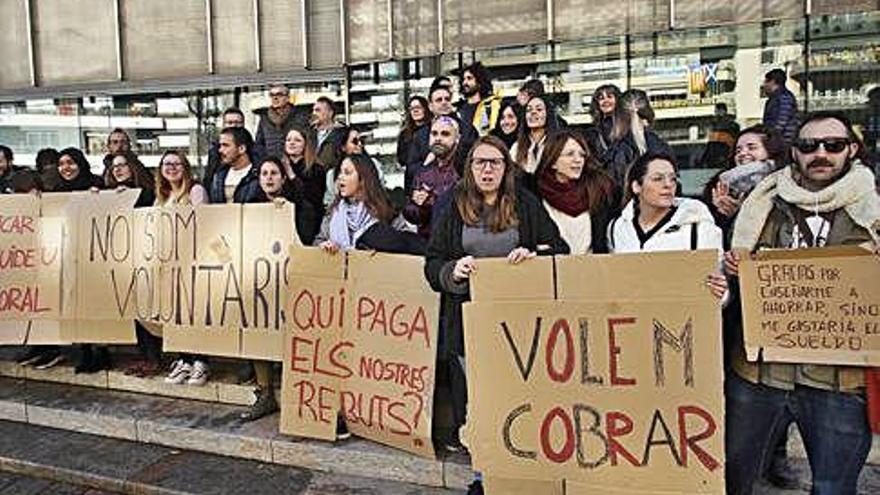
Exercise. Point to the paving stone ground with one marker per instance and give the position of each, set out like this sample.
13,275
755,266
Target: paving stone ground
38,460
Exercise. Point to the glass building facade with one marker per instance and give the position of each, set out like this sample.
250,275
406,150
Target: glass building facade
165,72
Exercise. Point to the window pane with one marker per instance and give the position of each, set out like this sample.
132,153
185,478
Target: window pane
415,28
233,33
584,19
281,34
324,37
164,38
75,41
14,65
470,24
367,30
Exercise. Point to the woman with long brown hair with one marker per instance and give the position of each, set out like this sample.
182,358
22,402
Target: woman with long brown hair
490,216
302,168
577,194
362,216
126,171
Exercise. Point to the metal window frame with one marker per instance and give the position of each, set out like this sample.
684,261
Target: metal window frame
304,26
343,32
389,11
258,39
29,28
209,33
117,24
441,41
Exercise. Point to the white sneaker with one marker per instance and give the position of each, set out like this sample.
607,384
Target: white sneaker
180,372
199,374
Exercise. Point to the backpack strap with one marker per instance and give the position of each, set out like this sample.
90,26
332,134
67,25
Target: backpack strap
694,239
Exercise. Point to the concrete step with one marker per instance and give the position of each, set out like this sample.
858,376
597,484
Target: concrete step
36,459
213,428
222,387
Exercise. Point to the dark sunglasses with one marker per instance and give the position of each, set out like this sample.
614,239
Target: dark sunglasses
831,145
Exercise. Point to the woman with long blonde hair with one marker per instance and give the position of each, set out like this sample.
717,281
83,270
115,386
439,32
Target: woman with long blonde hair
175,184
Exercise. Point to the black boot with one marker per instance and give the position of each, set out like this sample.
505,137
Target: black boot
264,406
86,362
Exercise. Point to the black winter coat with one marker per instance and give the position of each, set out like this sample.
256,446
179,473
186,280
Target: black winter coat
246,191
445,249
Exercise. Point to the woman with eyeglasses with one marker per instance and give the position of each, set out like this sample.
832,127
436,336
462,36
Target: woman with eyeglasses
175,183
175,186
417,116
577,194
654,219
127,172
490,216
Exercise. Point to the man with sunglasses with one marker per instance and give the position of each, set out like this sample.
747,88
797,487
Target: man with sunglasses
825,197
276,121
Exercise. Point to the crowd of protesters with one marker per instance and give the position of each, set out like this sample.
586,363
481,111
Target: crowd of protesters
491,177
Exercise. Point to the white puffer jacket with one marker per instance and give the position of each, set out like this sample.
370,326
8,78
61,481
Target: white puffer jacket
690,217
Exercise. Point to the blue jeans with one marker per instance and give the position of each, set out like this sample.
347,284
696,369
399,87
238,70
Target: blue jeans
833,425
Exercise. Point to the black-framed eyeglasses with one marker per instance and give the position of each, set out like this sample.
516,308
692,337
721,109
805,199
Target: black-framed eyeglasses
831,145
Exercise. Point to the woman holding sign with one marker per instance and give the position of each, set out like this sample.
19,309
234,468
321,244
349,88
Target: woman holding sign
654,219
276,186
490,216
361,216
75,174
175,185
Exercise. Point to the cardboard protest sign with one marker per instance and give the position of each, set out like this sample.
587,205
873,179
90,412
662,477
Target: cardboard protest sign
311,370
812,306
622,395
208,280
22,257
30,266
268,232
363,343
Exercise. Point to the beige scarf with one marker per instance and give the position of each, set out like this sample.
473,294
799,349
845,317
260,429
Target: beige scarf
854,192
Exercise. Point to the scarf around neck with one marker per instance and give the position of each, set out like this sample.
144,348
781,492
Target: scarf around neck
348,223
854,192
568,198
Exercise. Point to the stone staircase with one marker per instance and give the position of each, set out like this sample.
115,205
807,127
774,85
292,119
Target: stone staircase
204,419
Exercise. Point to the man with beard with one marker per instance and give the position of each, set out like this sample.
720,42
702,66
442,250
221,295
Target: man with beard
232,117
434,177
480,105
440,103
825,198
276,121
237,179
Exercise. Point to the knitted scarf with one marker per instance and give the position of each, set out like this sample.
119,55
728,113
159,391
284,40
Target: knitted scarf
348,222
568,198
854,192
